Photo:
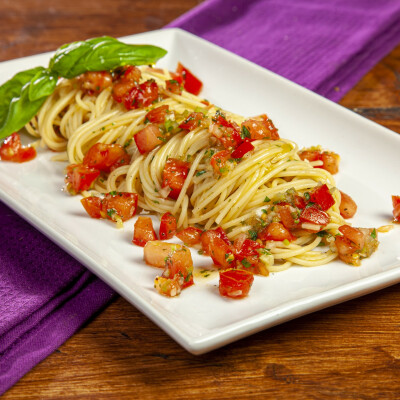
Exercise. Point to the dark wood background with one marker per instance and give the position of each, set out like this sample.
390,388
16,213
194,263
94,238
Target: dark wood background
350,351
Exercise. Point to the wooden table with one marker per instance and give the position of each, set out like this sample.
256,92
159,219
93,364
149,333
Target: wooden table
351,351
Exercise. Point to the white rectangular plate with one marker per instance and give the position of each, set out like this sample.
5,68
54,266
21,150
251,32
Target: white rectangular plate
199,319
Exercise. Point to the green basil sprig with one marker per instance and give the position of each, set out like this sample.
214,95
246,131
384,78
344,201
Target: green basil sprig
22,96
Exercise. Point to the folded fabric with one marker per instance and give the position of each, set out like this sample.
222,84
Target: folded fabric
326,46
45,296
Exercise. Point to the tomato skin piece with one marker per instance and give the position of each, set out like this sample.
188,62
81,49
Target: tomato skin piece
148,138
167,226
322,196
191,83
157,115
277,232
242,149
92,205
121,204
174,176
106,157
80,177
396,208
219,162
193,121
348,206
12,150
235,283
141,95
261,129
190,235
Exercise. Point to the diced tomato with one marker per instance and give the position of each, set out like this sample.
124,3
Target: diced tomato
235,283
92,205
174,176
222,234
193,121
180,263
106,157
314,215
329,159
219,162
299,202
12,150
322,196
275,231
190,235
190,82
260,129
173,86
119,204
157,115
242,149
330,162
354,235
396,208
216,244
93,82
167,226
141,95
245,247
286,216
129,73
346,249
143,231
348,206
148,138
227,132
80,177
174,258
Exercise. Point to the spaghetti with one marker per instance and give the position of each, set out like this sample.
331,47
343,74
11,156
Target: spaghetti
239,194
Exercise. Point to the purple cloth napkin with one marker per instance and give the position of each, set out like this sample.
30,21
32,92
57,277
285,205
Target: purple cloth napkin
323,45
326,46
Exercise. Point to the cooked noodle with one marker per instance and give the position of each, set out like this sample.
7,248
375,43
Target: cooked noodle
70,122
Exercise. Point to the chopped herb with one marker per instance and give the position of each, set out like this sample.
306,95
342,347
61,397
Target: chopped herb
198,173
111,212
253,234
245,263
267,199
265,251
322,233
286,242
188,276
373,234
245,133
113,193
307,196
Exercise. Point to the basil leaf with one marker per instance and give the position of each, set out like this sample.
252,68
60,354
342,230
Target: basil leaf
42,85
101,54
16,108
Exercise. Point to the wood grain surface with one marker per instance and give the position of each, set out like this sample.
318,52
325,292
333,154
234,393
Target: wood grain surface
350,351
